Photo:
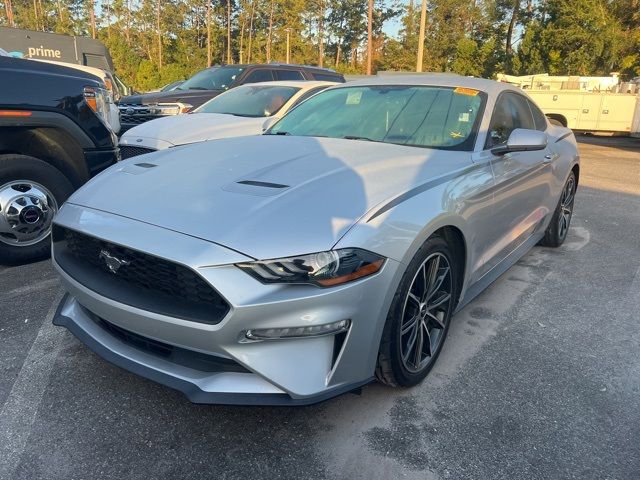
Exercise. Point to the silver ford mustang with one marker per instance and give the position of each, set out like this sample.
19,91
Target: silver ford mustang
334,249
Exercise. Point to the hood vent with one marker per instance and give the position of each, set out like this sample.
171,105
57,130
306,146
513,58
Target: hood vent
256,188
256,183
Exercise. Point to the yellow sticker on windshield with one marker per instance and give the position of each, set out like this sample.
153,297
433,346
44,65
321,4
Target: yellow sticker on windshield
466,91
353,98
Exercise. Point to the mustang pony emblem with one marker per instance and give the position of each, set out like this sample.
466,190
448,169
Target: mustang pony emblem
113,263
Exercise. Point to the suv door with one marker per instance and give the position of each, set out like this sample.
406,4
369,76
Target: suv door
523,179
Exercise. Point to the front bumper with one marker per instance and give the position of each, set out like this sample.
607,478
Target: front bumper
287,371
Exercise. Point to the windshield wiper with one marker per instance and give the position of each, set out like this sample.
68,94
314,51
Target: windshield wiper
356,137
240,115
278,133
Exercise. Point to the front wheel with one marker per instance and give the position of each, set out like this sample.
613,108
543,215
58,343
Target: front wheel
31,191
557,230
419,316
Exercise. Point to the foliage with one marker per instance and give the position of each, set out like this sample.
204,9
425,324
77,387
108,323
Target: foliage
154,42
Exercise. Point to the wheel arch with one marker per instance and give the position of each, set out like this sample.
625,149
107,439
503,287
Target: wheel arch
576,171
558,118
454,230
456,241
52,145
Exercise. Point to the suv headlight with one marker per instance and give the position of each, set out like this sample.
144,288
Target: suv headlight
96,98
170,108
323,269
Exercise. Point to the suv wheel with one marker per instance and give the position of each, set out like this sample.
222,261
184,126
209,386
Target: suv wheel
31,191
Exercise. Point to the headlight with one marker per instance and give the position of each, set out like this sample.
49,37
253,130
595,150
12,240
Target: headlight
324,269
170,108
96,98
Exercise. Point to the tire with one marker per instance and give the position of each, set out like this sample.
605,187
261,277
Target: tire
45,189
556,232
392,368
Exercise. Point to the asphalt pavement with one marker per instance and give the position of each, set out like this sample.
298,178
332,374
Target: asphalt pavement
539,379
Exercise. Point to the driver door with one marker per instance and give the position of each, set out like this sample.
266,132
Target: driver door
522,179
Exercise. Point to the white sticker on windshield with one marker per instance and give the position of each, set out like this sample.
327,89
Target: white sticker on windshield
353,98
464,117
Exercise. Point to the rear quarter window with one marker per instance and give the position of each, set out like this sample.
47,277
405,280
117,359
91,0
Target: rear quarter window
327,77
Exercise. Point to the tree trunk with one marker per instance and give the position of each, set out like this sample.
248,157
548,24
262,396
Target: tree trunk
44,17
60,14
512,24
228,31
423,26
253,11
370,38
270,31
208,33
92,18
321,34
338,52
244,21
9,9
159,33
127,31
35,14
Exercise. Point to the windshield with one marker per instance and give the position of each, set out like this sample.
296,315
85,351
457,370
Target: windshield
422,116
212,79
250,101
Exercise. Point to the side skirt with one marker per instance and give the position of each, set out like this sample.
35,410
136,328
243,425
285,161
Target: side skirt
493,274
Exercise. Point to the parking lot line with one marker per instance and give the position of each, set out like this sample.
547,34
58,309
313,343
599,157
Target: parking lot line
20,409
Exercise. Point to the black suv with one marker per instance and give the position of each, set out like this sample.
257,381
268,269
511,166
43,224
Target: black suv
53,138
208,83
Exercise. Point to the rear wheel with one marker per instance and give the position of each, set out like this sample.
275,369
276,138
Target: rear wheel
557,230
419,316
31,191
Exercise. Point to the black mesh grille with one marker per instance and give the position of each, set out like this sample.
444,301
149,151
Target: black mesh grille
188,358
137,119
127,151
141,280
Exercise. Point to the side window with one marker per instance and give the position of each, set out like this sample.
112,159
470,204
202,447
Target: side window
328,77
308,94
257,76
538,117
288,75
511,112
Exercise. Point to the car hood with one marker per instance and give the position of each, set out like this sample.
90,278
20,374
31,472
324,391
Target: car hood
265,196
192,127
192,97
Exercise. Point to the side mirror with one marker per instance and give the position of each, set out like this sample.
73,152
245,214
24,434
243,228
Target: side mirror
522,140
269,122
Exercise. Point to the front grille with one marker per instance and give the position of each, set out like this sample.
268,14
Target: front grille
182,356
141,280
137,119
137,114
128,151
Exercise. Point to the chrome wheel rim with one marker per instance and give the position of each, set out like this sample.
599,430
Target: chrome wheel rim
26,212
566,208
425,313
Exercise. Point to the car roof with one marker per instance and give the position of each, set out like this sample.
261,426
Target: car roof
305,84
491,87
279,65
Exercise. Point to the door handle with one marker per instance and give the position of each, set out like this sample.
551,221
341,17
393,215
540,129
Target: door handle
548,158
